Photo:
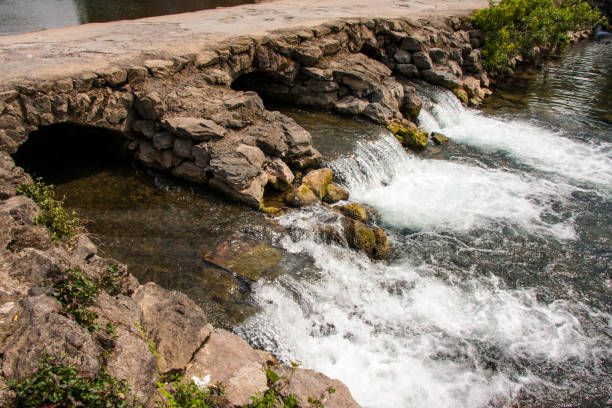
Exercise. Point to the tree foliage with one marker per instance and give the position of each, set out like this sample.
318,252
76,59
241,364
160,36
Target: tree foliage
513,27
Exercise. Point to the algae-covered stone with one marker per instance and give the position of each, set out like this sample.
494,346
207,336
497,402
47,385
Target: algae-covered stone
382,249
359,236
461,94
253,263
408,136
439,138
318,180
301,196
354,211
335,193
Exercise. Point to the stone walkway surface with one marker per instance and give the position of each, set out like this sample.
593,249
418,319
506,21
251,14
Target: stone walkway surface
91,47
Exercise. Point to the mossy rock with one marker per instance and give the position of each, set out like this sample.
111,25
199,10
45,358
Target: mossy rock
318,181
462,95
439,138
253,263
354,211
335,193
382,249
301,196
359,236
408,136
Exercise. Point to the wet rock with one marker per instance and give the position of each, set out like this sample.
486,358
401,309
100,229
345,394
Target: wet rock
408,136
461,94
381,249
411,103
359,236
279,174
318,180
335,193
472,87
174,322
237,177
183,148
309,385
354,211
439,138
189,171
230,360
247,258
301,196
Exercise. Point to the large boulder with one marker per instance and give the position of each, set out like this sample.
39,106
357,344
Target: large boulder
176,325
308,386
231,361
318,180
335,193
41,328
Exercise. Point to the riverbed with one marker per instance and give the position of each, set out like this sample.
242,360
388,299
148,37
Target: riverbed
498,291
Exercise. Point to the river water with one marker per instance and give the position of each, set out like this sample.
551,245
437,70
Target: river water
499,288
22,16
498,291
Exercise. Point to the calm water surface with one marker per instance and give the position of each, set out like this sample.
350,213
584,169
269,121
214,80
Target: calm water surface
22,16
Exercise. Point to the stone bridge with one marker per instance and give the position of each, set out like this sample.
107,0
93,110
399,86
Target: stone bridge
179,89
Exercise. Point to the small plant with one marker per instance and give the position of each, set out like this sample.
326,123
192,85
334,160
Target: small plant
143,335
53,215
111,330
178,394
56,385
513,27
109,280
76,293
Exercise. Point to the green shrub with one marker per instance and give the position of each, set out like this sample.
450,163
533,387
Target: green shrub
76,293
53,215
178,394
513,27
56,385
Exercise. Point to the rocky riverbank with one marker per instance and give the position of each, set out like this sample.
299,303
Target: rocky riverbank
155,332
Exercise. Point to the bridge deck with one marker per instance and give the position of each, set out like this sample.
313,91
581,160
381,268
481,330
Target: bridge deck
90,47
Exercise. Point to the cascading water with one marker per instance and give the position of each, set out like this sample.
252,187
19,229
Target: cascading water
498,290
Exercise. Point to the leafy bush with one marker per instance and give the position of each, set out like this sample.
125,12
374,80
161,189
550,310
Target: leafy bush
178,394
76,293
53,215
56,385
513,27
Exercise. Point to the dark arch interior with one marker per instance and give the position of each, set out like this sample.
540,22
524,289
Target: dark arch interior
64,152
265,85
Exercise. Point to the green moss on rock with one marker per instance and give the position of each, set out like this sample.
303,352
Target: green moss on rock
461,95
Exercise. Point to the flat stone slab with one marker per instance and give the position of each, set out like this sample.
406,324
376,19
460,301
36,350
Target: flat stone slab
66,52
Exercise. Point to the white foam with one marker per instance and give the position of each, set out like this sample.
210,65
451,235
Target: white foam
399,337
535,146
437,195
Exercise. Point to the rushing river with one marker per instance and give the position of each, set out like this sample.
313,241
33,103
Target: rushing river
498,292
499,289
